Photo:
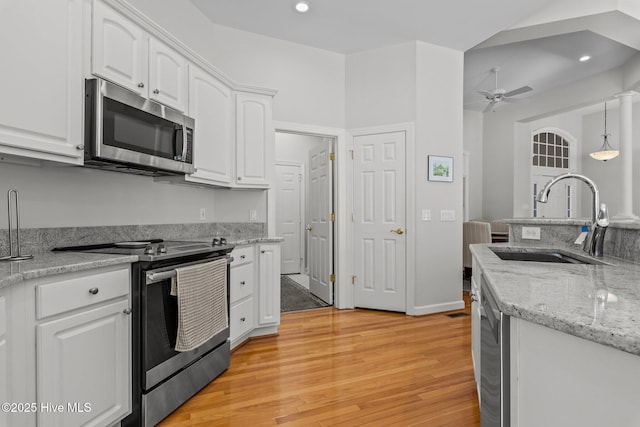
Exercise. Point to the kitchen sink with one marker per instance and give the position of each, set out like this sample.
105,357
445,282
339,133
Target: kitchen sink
548,255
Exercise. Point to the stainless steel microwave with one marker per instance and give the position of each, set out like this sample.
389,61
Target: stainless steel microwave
129,133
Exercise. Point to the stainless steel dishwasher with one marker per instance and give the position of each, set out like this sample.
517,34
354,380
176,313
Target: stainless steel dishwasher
494,363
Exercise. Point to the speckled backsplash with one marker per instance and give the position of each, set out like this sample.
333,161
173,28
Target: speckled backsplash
622,239
38,240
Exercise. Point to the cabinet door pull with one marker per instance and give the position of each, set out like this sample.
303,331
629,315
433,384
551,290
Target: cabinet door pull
242,319
156,91
80,147
93,291
243,283
127,311
242,257
262,252
140,85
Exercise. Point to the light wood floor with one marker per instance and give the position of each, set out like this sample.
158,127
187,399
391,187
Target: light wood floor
333,367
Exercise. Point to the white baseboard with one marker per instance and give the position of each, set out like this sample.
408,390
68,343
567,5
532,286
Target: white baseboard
437,308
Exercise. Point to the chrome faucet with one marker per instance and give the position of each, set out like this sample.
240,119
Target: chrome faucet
593,244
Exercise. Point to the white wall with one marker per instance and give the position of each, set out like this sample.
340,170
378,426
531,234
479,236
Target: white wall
472,143
439,123
74,196
310,82
420,83
380,86
500,132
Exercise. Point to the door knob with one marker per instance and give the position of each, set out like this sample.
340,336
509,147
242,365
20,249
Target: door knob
309,227
398,231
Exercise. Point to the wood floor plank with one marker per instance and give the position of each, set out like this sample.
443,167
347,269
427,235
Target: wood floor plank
332,367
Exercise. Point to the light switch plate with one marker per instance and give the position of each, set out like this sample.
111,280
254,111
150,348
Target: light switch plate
447,215
426,214
253,215
532,233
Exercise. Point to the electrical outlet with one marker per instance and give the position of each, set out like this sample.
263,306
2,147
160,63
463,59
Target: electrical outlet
447,215
426,214
532,233
203,214
253,215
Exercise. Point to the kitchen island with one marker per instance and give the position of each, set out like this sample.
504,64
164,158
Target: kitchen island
574,337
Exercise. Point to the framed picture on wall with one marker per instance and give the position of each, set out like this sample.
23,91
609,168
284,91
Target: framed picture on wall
441,168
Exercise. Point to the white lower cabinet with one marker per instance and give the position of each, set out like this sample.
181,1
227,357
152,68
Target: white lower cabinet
65,349
269,289
558,379
83,367
254,291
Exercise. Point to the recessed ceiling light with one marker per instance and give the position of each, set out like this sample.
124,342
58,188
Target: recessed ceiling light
302,6
585,58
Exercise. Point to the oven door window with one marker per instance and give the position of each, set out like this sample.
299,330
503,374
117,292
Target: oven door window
135,130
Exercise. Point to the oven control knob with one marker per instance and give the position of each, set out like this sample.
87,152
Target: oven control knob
216,242
148,250
223,241
162,249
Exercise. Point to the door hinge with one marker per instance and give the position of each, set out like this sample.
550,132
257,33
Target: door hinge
353,280
353,217
332,278
332,217
332,156
353,154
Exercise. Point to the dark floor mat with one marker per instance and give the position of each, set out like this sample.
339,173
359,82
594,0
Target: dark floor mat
294,297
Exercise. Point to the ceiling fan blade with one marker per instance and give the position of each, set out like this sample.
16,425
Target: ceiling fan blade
518,91
489,106
486,94
515,100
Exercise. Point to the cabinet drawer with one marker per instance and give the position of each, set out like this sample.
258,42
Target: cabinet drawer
241,281
80,291
242,255
241,318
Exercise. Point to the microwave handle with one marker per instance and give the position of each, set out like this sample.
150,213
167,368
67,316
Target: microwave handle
184,142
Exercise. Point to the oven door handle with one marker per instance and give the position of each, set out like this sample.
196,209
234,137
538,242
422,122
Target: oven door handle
155,276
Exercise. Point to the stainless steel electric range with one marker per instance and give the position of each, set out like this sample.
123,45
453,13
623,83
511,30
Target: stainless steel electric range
163,379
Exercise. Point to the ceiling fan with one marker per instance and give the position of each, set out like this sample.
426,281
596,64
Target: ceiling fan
499,95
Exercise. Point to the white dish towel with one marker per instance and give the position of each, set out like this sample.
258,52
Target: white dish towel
201,290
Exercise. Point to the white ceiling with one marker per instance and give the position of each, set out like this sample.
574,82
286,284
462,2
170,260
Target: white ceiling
540,56
348,26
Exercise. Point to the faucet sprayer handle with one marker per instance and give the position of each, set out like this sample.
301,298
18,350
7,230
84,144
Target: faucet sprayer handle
603,216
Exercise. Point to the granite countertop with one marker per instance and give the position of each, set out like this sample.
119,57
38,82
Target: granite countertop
241,239
50,263
600,303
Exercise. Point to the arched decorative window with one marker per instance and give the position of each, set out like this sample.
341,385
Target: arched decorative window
550,150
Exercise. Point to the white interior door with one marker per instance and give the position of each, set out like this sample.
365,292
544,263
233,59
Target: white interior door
320,228
379,210
289,216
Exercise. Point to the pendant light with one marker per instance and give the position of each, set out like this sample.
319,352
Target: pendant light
606,152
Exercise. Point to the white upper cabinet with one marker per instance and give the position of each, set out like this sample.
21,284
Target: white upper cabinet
211,105
255,139
119,51
41,86
167,76
127,55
